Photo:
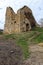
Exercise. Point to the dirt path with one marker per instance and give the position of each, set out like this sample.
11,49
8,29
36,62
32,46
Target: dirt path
10,53
36,56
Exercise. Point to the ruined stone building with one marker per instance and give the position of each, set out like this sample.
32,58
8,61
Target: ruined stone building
21,22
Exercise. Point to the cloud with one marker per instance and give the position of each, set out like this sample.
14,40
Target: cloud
0,8
35,5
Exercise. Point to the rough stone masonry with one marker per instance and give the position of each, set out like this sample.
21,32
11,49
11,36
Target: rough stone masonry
23,21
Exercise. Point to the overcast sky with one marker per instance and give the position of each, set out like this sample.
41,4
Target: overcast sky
35,5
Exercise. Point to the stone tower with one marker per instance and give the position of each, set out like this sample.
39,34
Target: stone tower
21,22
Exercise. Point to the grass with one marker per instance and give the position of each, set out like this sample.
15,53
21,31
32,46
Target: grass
1,32
22,39
38,29
38,38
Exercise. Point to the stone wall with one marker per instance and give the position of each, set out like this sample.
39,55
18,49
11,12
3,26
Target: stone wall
21,22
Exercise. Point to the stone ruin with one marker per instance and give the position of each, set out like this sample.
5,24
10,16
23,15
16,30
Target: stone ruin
23,21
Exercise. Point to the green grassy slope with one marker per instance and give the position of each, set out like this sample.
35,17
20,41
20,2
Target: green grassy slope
24,39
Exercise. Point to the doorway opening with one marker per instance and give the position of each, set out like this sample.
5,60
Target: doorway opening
27,27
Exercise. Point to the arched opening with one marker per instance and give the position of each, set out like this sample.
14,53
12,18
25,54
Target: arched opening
14,22
27,27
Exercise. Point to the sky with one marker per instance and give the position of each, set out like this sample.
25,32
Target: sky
35,5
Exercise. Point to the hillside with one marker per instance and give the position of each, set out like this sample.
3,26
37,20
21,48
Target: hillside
25,41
